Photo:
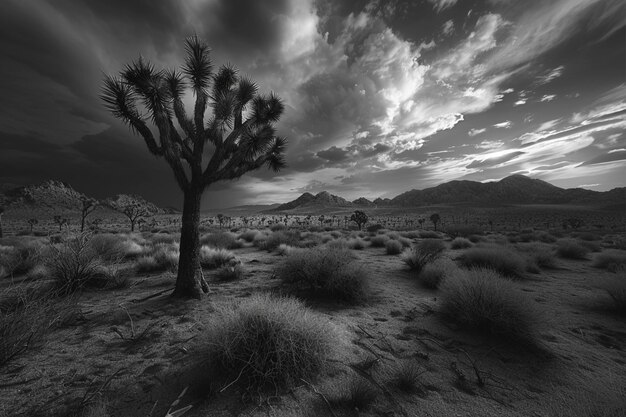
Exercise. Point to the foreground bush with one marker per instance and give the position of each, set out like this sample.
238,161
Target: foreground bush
231,272
433,274
73,264
538,255
463,230
612,260
277,238
163,258
268,341
393,247
571,249
479,299
326,271
461,243
423,253
617,290
224,240
356,244
379,241
215,258
502,260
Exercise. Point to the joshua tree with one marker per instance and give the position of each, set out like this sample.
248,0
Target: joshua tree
221,219
88,205
435,218
238,135
359,217
60,221
133,207
32,223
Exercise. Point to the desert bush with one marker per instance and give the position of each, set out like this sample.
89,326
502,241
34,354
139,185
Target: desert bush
407,376
224,240
422,253
269,341
284,250
479,299
22,257
538,255
591,245
504,261
393,247
406,243
429,234
461,243
374,228
230,272
338,244
379,241
326,271
462,230
28,320
163,258
358,393
410,234
612,260
571,249
356,243
249,235
275,239
433,274
278,227
215,258
108,246
546,237
163,237
73,264
588,236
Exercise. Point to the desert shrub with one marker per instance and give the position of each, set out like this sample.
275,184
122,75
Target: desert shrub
373,228
358,393
215,258
433,274
278,227
275,239
588,236
591,245
162,237
406,243
224,240
479,299
249,235
284,250
571,249
393,247
545,237
22,257
619,243
338,244
410,234
407,376
422,253
504,261
461,243
29,318
336,234
379,241
73,264
612,260
163,258
231,272
326,271
538,255
108,246
462,230
268,341
617,291
429,234
356,243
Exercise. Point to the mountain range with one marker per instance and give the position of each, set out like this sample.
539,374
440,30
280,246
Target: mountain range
515,189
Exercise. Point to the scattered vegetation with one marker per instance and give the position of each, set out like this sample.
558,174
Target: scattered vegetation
214,258
423,253
358,393
231,272
461,243
571,249
393,247
326,271
269,341
479,299
434,273
502,260
407,377
223,240
612,260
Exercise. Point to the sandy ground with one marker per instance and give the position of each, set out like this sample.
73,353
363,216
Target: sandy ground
95,357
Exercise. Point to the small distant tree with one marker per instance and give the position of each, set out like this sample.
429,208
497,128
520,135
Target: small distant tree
60,221
435,218
133,207
221,219
574,223
32,223
359,217
421,222
94,225
88,205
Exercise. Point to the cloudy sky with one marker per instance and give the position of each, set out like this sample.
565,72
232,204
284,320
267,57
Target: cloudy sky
381,96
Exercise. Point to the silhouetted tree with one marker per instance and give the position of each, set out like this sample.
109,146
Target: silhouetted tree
32,223
133,207
239,134
359,217
221,219
88,205
435,218
60,221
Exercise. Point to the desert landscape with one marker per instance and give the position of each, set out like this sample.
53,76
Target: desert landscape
315,315
313,208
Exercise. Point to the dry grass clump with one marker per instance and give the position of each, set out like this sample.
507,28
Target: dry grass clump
357,393
461,243
429,234
21,257
480,299
224,240
73,264
617,291
327,272
163,258
463,230
379,241
269,341
393,247
612,260
163,237
284,250
502,260
407,377
275,239
434,273
108,246
249,235
571,249
422,253
231,272
357,244
215,258
538,256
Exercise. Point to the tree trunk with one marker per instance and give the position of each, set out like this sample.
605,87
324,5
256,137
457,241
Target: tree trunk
82,223
132,225
1,235
190,282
